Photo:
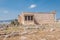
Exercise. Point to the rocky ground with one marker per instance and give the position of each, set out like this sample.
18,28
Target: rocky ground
30,33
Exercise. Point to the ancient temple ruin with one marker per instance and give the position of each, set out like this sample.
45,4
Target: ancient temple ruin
37,18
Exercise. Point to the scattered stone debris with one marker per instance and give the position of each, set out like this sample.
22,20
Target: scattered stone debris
38,33
23,38
58,39
43,39
52,29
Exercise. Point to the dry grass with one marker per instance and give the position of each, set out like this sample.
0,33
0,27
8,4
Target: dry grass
32,34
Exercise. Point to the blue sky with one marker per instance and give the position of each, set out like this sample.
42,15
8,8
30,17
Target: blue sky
10,9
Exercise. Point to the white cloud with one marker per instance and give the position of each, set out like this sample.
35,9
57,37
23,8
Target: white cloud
32,6
5,11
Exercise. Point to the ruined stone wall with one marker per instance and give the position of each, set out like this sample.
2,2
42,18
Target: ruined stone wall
44,18
21,19
28,22
39,18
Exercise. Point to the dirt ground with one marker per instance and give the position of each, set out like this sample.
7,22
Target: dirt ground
27,33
